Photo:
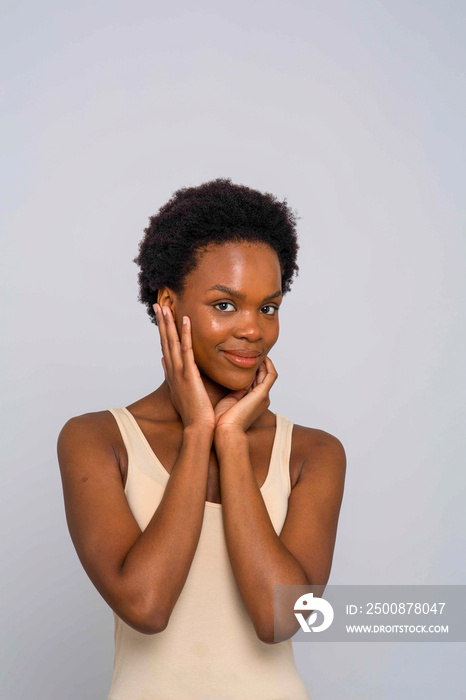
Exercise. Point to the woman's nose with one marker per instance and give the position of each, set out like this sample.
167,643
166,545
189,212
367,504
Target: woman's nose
248,326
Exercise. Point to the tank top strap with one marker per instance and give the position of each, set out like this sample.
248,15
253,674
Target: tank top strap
280,461
131,434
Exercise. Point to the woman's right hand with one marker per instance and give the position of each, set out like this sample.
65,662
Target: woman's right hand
187,390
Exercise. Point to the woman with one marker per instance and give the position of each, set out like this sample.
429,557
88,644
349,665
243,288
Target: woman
188,506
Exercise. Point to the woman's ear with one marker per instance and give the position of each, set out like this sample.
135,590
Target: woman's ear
166,297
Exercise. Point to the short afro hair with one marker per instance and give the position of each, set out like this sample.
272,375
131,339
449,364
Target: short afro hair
214,212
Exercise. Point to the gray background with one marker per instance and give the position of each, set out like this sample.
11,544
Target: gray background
355,112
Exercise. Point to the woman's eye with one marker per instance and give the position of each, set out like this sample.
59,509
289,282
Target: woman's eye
223,303
274,310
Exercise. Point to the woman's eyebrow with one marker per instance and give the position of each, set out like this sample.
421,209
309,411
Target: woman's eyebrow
239,295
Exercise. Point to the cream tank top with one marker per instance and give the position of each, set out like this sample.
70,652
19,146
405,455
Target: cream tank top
209,649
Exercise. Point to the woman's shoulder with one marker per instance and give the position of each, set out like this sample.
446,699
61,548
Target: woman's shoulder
323,459
315,446
91,419
316,437
98,426
308,436
309,446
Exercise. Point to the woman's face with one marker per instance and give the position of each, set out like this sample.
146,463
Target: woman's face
241,319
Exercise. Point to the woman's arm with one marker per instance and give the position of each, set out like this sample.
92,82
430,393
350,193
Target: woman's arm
139,574
302,554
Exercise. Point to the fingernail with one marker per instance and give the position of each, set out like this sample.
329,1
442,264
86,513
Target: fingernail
164,310
185,320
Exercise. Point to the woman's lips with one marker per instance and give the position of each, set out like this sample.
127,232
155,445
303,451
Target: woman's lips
241,361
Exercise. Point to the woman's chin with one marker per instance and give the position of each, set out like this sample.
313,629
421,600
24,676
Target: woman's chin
232,383
235,386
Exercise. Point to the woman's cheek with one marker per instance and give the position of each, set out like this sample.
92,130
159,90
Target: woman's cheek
216,326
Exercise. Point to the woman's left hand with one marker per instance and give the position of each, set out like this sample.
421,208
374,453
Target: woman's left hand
239,409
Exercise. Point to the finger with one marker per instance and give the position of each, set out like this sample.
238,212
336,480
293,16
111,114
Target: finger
259,376
272,373
173,340
261,373
164,338
266,376
189,362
